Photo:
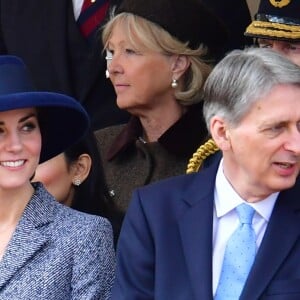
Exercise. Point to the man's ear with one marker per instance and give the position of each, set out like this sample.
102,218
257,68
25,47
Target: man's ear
220,133
180,64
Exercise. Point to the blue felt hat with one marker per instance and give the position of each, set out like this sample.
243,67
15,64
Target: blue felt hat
63,121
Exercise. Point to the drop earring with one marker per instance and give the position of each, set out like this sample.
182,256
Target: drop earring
107,73
174,83
77,182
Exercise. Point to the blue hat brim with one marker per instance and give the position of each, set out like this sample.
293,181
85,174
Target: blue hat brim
62,120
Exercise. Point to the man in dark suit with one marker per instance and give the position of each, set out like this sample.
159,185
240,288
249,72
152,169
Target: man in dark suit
176,235
46,36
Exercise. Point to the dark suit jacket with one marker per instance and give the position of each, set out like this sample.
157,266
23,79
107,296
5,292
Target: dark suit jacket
165,246
46,36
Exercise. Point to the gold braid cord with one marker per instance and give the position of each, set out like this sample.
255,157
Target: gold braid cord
200,155
269,29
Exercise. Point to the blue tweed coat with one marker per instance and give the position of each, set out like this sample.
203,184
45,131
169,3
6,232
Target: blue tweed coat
57,253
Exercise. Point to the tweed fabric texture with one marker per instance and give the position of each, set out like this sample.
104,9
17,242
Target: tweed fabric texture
57,253
130,163
139,165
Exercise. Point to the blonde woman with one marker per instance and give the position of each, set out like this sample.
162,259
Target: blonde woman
159,54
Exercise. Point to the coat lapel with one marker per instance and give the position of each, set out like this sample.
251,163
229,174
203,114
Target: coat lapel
24,244
195,228
93,66
280,236
27,239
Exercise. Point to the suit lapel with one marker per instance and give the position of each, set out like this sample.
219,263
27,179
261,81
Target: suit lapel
281,234
195,228
28,237
56,14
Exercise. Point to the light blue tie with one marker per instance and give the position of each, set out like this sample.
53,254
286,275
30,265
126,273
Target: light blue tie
239,256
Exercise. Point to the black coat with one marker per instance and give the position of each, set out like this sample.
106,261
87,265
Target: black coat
45,35
236,16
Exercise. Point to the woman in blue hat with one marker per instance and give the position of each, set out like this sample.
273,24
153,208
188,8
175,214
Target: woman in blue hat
47,250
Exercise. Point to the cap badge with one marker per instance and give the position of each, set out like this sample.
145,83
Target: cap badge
280,3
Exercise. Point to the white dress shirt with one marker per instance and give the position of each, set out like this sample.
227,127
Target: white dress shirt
77,4
226,219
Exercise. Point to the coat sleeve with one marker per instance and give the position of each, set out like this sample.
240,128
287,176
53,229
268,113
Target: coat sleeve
94,262
135,256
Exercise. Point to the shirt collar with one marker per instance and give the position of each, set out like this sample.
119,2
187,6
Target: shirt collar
226,198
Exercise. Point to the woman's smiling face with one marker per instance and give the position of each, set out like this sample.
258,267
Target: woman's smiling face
20,146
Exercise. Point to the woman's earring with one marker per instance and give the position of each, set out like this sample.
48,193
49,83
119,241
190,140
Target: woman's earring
107,73
174,83
77,182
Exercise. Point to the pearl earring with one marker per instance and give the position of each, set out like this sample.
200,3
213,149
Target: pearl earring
77,182
107,74
174,83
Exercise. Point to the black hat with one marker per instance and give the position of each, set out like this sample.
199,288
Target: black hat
63,121
187,20
276,20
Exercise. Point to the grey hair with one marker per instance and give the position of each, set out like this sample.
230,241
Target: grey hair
241,79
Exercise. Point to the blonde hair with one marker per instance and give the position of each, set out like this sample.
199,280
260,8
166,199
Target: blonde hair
148,36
